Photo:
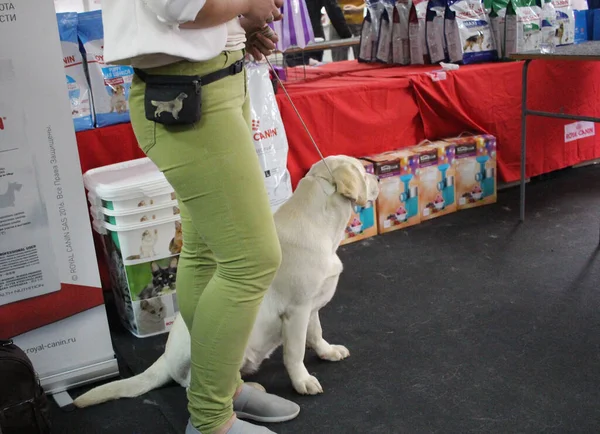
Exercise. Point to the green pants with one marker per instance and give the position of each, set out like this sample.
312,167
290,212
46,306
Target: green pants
230,248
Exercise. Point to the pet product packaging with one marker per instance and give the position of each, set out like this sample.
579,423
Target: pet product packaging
436,39
295,29
369,37
475,161
565,22
497,21
417,33
523,27
268,134
110,84
469,33
384,40
136,214
581,26
437,186
400,33
77,84
363,222
398,200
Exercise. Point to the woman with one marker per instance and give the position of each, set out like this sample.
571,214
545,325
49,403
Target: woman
230,248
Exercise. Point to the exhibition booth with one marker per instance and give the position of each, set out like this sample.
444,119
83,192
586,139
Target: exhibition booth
79,201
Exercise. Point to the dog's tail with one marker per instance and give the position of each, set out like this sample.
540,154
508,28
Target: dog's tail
155,376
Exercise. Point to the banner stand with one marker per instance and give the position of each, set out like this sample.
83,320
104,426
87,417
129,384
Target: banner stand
51,300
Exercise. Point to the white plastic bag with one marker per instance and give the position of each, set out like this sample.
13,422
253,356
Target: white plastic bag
269,135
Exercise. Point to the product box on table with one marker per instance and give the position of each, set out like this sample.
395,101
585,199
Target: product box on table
363,221
475,180
437,189
398,201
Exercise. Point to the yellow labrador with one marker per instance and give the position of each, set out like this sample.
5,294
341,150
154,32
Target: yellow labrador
310,226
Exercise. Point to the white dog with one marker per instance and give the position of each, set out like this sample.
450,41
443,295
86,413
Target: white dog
310,226
173,106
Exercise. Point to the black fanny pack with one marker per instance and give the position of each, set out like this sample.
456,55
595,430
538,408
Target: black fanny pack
177,99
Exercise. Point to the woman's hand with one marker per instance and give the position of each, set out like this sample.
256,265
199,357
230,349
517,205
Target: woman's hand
263,11
259,42
352,8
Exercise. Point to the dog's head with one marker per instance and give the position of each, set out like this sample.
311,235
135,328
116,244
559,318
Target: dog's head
350,178
118,89
182,96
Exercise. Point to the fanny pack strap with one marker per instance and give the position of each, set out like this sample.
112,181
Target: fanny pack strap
234,69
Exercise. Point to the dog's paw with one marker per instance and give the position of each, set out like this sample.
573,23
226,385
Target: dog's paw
335,353
308,386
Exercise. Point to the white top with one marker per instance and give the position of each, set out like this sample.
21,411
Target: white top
146,33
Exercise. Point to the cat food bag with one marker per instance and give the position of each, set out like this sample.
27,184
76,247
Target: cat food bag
369,38
384,40
110,84
436,39
268,134
469,33
77,84
417,34
497,20
400,35
565,22
522,27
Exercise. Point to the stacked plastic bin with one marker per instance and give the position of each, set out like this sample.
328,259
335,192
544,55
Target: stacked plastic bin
136,212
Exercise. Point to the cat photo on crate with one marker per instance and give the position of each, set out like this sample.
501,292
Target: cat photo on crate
147,244
177,242
151,314
163,280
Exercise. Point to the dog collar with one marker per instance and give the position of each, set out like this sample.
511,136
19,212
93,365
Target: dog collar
328,188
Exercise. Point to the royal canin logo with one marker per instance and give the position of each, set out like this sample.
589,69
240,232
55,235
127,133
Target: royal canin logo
262,135
2,119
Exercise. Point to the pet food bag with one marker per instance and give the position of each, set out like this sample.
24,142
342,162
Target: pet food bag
523,27
77,84
384,40
369,36
417,34
110,84
469,33
565,22
400,35
436,39
295,29
269,135
497,21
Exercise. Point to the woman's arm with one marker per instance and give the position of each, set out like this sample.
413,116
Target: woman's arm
198,14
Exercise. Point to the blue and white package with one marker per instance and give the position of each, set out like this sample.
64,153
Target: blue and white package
77,84
469,33
110,83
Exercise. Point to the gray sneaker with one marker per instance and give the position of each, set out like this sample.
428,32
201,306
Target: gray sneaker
263,407
239,427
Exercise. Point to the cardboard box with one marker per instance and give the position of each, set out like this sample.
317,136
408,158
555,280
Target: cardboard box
475,170
398,201
363,221
437,190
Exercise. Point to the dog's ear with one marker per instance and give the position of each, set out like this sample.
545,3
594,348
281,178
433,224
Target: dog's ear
351,183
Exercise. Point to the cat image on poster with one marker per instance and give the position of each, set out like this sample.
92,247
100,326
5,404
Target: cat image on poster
163,280
151,315
148,241
177,242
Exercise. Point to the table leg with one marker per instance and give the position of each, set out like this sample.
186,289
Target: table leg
523,139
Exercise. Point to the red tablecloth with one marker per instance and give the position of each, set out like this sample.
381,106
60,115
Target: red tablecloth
357,109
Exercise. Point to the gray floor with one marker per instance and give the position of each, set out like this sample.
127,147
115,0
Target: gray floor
469,324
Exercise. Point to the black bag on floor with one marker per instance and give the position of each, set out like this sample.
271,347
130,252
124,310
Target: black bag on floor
23,404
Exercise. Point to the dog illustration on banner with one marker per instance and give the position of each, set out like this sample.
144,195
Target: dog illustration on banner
173,106
7,200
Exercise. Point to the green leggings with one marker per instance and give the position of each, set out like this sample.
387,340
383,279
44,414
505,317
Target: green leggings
230,247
